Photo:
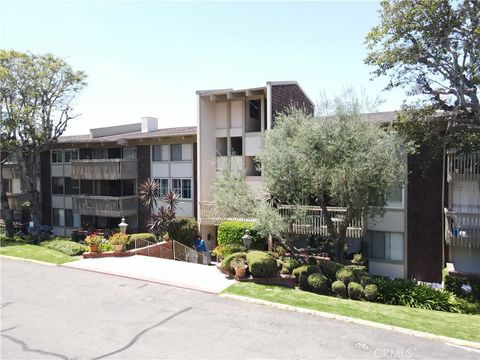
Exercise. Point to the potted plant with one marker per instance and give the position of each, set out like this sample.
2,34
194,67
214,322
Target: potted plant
240,266
118,240
93,240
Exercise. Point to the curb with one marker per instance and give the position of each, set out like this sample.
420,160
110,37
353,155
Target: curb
470,345
28,260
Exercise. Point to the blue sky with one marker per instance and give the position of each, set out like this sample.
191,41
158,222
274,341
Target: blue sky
149,58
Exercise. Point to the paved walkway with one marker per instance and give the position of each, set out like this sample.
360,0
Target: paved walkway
169,272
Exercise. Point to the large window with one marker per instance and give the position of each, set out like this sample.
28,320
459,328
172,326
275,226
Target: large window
72,186
254,118
162,186
71,155
395,199
182,187
160,152
181,152
69,217
58,217
386,246
57,156
236,143
58,185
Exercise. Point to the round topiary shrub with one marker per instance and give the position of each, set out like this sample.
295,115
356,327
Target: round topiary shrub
261,264
338,287
279,264
371,292
285,271
225,264
307,269
329,268
318,283
365,280
291,264
346,275
355,290
358,271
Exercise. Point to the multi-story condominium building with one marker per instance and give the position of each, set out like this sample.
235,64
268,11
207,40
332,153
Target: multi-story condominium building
231,124
91,181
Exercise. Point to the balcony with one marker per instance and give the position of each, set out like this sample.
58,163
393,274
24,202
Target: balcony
16,200
105,169
108,206
462,229
463,167
310,223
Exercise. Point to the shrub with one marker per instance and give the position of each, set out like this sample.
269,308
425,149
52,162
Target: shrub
307,269
225,264
68,247
311,260
338,287
371,292
39,233
118,239
365,280
465,287
318,283
329,268
358,258
355,290
141,236
346,275
290,265
231,232
303,282
284,271
225,250
184,229
358,271
261,264
279,264
105,246
408,293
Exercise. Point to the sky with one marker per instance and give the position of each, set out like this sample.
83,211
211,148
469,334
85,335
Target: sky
149,58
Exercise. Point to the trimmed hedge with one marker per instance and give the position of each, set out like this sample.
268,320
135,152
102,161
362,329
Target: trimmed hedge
307,269
346,275
141,236
318,283
225,250
355,290
67,247
467,288
261,264
371,292
329,268
339,288
225,264
184,229
231,232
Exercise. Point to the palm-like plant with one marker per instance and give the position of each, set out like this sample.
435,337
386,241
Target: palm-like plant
148,193
171,199
160,221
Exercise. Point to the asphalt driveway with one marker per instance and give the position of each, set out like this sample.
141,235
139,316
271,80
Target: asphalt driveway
51,312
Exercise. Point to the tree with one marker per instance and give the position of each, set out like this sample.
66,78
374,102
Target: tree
340,160
36,96
433,48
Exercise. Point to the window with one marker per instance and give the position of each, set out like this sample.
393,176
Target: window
176,154
71,155
7,185
128,187
386,245
395,199
58,185
160,152
57,156
69,217
130,153
254,119
236,143
72,186
252,166
162,186
58,217
221,146
182,187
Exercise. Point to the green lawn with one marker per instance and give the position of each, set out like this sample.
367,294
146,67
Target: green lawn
33,252
459,326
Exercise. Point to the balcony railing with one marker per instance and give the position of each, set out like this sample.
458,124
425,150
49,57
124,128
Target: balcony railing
463,167
309,222
462,229
105,169
109,206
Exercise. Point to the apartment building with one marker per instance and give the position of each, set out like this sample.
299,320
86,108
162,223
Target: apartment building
91,181
231,124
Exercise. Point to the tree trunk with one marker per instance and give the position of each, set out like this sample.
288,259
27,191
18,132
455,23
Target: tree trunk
6,212
29,166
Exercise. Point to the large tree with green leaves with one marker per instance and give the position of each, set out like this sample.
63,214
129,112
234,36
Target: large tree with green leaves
337,160
36,93
432,47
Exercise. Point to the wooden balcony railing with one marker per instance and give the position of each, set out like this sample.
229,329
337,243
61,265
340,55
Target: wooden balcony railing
463,167
310,222
105,169
462,229
109,206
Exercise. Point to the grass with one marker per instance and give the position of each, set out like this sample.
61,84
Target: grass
33,252
460,326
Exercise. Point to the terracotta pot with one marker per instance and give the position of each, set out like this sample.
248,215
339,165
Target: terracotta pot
240,272
94,248
118,248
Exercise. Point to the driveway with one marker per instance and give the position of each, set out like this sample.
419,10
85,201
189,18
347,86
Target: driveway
53,312
169,272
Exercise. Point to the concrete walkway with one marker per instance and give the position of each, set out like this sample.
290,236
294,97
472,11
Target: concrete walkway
169,272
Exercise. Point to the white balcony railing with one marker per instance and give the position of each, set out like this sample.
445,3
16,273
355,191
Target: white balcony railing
463,167
462,229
